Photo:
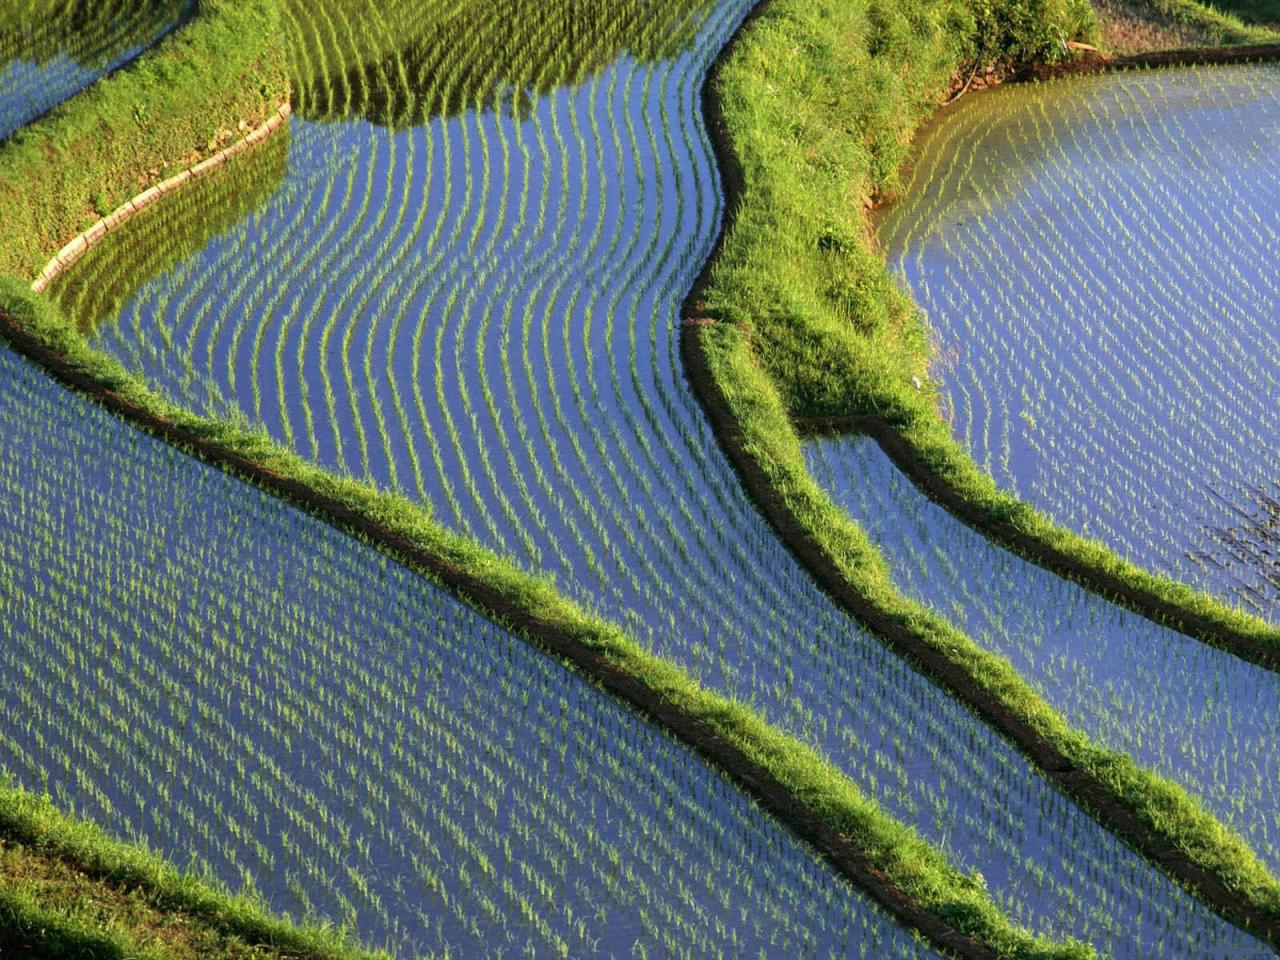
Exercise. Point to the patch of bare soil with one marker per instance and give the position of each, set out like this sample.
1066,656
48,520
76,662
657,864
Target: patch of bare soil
1130,28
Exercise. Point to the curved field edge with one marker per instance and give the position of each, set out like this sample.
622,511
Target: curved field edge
796,279
221,72
842,343
67,889
906,875
901,871
84,241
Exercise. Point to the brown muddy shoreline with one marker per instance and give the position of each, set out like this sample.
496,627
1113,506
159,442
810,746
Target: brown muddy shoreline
1191,57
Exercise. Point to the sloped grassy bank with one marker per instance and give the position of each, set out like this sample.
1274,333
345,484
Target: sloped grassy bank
836,336
220,73
798,317
67,890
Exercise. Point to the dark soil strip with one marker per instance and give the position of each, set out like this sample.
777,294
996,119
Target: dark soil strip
1195,57
848,859
1030,547
1087,790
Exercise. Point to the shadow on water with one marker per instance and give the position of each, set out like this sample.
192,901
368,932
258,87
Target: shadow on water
410,62
52,49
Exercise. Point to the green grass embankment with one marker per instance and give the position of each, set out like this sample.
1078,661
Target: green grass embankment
888,860
68,890
798,316
157,116
221,73
1234,22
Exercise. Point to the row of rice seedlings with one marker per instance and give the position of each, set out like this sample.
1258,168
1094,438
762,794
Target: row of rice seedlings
52,49
520,371
398,64
1095,259
1199,716
190,662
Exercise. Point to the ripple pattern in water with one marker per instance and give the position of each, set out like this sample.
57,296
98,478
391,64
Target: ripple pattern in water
186,660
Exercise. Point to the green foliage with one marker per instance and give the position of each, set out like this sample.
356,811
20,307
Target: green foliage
117,899
151,119
812,325
29,929
1015,32
546,44
92,32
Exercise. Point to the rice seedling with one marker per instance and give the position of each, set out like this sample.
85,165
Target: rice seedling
1094,259
477,307
187,660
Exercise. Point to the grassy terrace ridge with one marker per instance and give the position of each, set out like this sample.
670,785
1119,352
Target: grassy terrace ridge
220,73
68,890
810,283
1231,22
798,277
906,875
902,872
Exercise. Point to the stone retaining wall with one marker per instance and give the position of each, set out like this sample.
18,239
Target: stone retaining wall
80,245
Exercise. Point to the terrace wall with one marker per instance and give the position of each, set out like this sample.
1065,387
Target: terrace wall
204,85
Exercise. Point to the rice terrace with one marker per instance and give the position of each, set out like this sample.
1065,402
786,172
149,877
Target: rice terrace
640,479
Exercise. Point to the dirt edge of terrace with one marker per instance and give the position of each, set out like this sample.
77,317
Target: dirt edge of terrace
899,626
1092,62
